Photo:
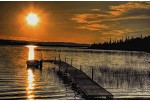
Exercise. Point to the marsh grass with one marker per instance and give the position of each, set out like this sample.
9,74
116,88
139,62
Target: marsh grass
122,77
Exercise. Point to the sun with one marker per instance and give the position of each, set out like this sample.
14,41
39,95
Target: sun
32,19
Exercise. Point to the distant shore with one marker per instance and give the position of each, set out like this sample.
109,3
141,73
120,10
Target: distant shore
135,44
129,44
51,44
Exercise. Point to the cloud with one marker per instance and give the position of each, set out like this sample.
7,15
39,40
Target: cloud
126,11
88,18
94,27
138,12
119,21
95,9
123,8
82,18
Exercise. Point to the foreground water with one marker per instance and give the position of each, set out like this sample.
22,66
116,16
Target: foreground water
124,74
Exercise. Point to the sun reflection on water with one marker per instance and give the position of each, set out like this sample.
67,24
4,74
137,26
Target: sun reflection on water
30,87
31,52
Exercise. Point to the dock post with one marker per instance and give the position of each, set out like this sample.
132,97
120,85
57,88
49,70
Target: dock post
41,62
60,62
65,59
92,72
71,62
59,56
80,67
76,75
59,73
54,63
55,60
67,70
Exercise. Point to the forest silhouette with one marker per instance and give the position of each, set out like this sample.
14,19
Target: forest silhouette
129,44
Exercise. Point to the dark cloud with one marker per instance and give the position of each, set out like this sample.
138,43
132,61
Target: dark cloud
138,12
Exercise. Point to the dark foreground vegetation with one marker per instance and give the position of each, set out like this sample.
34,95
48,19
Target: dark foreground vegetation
130,44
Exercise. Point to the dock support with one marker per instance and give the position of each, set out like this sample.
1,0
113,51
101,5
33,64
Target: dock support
67,69
71,62
65,59
60,62
92,72
75,75
59,56
41,64
80,67
54,63
55,60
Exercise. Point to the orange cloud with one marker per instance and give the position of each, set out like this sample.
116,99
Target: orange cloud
88,18
95,9
82,18
96,22
94,27
120,9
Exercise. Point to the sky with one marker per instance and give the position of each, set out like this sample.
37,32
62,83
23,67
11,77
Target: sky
75,21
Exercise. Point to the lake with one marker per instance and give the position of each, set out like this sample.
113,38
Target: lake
124,74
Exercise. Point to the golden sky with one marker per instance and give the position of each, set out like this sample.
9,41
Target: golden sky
80,22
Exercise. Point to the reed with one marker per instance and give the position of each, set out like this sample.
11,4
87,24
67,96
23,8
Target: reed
123,77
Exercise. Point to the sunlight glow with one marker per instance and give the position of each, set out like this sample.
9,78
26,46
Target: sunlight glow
31,52
32,19
30,86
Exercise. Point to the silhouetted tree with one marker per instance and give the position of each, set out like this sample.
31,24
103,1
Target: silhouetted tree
131,44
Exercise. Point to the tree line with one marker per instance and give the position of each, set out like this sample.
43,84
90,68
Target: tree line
130,44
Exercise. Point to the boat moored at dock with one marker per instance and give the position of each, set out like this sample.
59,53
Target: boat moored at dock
33,63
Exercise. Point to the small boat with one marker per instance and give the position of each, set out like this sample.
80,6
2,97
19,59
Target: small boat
33,63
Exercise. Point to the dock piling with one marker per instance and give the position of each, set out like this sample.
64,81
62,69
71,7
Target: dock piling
80,67
41,64
65,59
55,59
92,73
59,57
71,62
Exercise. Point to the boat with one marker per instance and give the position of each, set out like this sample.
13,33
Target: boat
33,63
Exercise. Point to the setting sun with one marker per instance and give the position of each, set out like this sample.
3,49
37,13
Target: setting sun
32,19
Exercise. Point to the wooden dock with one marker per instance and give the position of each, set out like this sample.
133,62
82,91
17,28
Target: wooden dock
81,81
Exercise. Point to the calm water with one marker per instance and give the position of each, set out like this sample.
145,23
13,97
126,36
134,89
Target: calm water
124,74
